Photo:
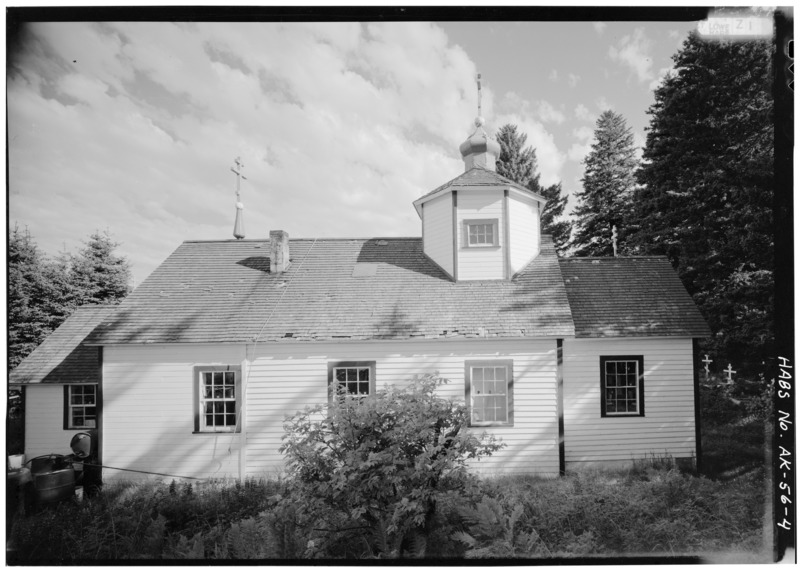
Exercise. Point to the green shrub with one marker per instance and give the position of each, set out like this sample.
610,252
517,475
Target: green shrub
375,467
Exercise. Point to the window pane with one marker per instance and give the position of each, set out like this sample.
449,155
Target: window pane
208,378
208,392
230,407
363,387
230,392
363,375
477,409
352,388
218,391
76,399
217,378
500,374
341,375
631,406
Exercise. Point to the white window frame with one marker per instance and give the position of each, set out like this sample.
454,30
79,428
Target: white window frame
359,366
637,387
70,406
477,222
201,400
471,394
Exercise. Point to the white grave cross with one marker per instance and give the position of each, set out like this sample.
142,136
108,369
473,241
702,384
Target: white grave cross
730,372
706,361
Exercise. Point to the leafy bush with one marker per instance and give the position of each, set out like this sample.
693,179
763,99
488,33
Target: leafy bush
378,465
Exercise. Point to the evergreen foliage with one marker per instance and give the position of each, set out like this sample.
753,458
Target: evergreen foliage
518,163
43,291
100,276
608,184
706,200
40,296
553,210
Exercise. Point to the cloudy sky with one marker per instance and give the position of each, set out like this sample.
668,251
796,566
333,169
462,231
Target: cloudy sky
133,127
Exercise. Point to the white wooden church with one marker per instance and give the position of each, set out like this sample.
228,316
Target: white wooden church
572,362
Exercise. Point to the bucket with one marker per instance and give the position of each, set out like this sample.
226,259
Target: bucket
15,461
54,486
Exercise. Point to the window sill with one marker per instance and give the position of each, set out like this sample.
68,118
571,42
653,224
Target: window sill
221,432
479,247
491,425
622,416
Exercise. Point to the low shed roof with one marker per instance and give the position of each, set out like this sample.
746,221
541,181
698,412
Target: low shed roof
61,357
629,297
335,289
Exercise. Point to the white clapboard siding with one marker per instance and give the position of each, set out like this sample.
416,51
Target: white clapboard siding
44,421
285,378
480,263
668,426
523,224
437,220
148,412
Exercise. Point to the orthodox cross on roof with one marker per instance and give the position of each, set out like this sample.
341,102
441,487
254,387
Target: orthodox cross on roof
239,175
238,226
730,372
706,362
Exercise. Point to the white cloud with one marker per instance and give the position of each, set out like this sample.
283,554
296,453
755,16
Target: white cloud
599,27
134,126
583,113
573,79
548,113
633,51
603,104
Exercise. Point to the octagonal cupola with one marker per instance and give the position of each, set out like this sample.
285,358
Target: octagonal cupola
480,225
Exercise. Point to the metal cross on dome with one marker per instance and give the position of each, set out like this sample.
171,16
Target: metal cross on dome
479,95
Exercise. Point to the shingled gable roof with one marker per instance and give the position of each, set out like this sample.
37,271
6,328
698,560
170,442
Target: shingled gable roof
629,297
61,357
334,289
477,177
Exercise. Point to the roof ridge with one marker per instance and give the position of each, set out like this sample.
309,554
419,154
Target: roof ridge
592,258
309,239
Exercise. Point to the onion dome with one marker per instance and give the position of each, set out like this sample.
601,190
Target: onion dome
479,150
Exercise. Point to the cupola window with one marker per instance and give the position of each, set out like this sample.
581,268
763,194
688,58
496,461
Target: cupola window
480,233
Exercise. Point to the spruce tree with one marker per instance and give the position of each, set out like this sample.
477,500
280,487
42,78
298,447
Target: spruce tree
517,161
553,210
608,183
101,276
707,187
40,296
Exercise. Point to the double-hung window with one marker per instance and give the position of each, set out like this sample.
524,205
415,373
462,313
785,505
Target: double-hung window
352,378
217,398
622,385
490,392
480,233
80,406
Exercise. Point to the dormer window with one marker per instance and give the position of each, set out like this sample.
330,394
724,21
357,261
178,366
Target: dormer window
480,233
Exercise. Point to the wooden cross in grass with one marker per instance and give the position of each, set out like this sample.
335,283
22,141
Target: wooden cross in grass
706,361
730,372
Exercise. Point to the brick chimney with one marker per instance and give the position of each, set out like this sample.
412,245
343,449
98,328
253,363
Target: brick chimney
278,251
